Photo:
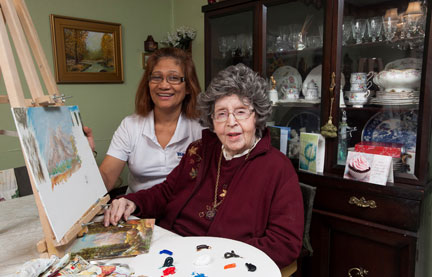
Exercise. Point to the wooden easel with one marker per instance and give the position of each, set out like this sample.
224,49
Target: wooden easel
15,15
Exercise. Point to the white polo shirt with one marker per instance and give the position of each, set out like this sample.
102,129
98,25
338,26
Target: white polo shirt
135,142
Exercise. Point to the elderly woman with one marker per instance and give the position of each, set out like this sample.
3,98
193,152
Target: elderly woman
232,183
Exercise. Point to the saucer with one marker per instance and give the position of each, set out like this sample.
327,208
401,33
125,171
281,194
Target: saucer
356,104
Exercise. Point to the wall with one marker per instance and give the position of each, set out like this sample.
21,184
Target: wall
188,13
103,106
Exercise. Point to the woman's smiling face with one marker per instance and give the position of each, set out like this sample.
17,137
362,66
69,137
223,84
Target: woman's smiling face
236,135
167,96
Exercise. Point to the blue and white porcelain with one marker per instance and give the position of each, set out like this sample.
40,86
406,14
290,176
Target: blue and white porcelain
393,126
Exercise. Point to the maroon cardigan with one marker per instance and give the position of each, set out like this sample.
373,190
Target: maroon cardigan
263,206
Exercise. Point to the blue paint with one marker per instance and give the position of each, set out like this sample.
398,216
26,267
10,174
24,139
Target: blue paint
196,274
166,252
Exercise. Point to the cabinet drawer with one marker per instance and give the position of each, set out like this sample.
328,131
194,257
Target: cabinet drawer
392,211
343,247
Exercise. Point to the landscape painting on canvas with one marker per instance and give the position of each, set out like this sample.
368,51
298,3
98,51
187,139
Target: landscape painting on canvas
126,239
60,161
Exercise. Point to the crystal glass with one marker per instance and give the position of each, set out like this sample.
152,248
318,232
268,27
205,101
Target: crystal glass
412,24
279,45
403,26
346,32
389,28
223,46
358,29
232,44
294,35
313,41
422,25
374,26
321,33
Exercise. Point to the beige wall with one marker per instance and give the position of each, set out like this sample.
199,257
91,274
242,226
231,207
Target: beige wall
188,13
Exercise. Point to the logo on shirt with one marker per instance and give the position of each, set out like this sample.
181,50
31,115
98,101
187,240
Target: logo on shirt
180,155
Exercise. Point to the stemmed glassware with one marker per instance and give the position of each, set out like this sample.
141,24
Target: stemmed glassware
412,24
346,32
346,29
223,46
358,29
374,25
389,28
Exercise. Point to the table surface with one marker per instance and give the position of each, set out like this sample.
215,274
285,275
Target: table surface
20,230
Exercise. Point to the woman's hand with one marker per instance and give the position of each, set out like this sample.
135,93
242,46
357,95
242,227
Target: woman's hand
118,208
89,134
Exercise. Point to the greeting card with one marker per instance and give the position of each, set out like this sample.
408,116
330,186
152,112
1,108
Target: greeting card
312,147
371,168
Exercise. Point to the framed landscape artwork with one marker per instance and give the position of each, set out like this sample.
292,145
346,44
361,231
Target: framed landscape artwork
86,51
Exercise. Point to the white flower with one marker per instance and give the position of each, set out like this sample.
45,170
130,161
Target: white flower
180,36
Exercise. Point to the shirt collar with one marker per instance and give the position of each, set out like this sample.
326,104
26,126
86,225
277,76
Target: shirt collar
179,134
228,157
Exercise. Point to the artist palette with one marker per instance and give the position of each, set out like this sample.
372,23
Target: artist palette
202,257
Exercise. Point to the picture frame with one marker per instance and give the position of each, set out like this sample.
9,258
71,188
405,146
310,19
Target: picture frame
86,51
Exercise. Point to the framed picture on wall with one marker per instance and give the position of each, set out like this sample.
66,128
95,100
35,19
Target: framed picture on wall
86,51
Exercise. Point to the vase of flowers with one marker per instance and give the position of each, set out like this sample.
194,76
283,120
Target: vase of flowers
181,38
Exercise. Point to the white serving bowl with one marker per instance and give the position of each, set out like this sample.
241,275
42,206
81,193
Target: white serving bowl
395,80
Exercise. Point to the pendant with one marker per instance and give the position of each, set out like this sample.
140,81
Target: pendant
210,214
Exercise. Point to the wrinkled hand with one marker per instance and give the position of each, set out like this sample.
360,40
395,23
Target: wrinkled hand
89,134
118,208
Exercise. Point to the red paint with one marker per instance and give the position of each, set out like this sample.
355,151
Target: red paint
169,271
230,266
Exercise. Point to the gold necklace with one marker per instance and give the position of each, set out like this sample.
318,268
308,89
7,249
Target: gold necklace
211,210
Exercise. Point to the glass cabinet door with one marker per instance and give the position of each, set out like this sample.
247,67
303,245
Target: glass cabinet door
381,60
231,40
293,61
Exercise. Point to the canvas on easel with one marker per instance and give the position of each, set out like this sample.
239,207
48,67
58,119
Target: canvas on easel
61,163
74,176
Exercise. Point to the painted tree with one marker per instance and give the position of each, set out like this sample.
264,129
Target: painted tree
75,44
107,46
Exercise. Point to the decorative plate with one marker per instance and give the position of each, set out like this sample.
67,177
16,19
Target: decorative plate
307,120
287,77
315,75
406,63
393,126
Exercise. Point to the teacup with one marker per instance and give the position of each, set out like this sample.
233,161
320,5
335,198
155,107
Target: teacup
357,99
361,77
358,95
361,86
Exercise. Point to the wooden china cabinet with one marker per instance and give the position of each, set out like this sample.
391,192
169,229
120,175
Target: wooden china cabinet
358,228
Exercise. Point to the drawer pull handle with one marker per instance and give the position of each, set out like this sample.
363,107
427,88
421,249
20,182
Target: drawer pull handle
359,272
362,202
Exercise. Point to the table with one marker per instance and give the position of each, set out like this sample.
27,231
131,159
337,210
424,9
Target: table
20,230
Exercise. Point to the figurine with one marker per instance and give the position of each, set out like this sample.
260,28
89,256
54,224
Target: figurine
273,94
